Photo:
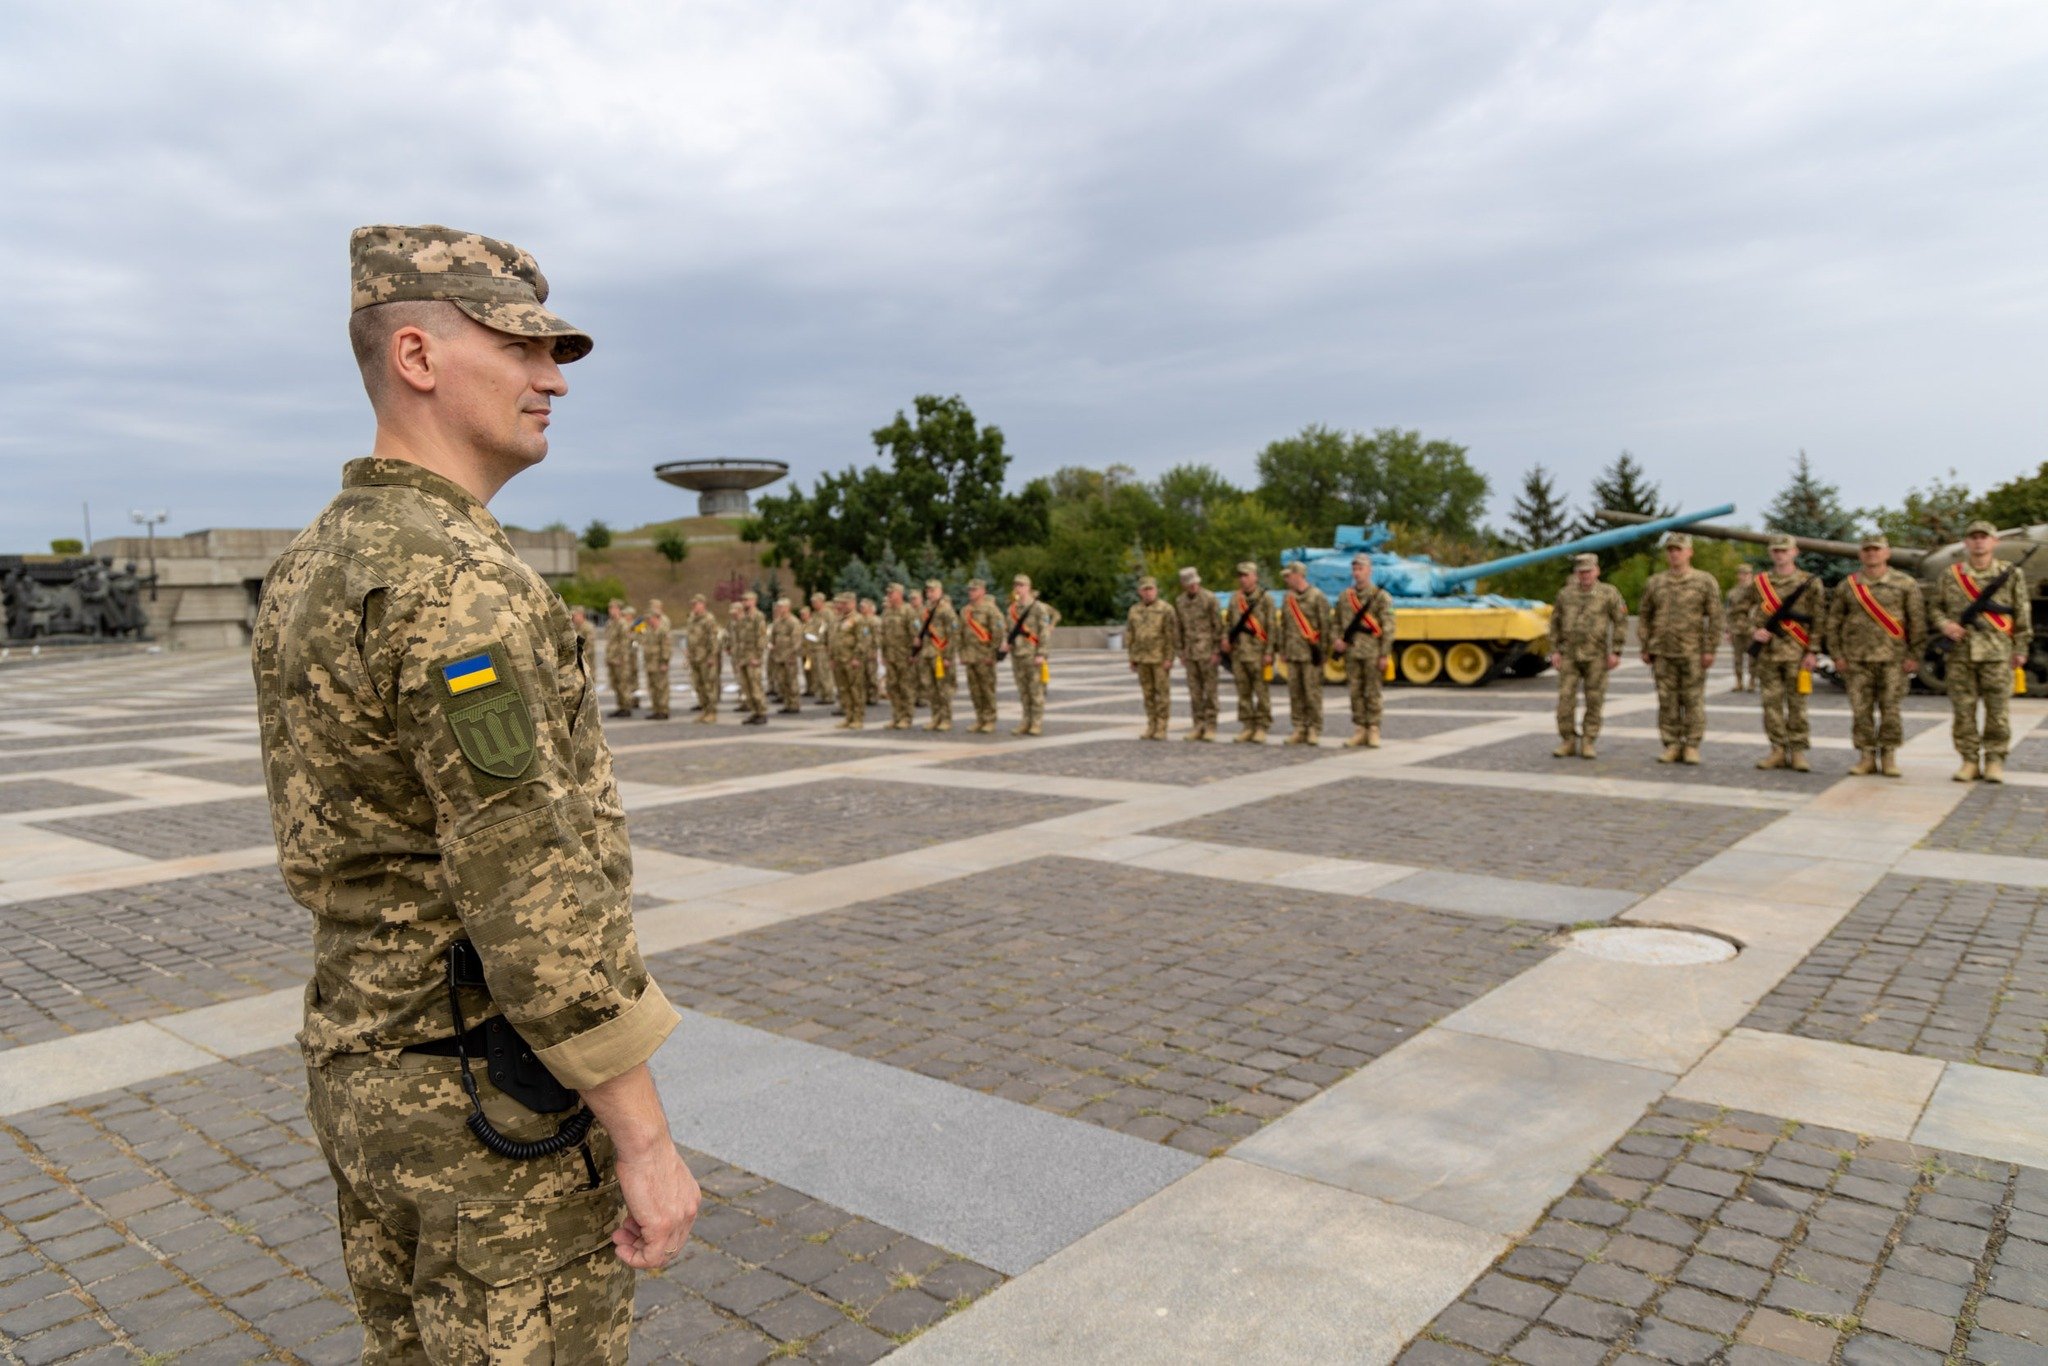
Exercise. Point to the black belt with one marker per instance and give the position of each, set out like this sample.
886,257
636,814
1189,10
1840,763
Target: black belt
468,1044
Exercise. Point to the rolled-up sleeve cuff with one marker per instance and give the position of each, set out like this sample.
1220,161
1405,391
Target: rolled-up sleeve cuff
618,1045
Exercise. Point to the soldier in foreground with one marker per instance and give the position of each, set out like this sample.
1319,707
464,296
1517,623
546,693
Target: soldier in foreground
981,645
1151,640
853,646
1680,621
475,884
1248,642
1740,623
1985,651
1201,650
1782,603
704,645
1588,626
1025,636
785,657
657,644
938,652
1304,637
1364,615
898,629
1874,631
749,647
619,663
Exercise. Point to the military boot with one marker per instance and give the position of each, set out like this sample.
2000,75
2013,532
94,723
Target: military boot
1035,728
1994,768
1372,737
1566,749
1208,731
1258,735
1866,765
1357,738
1587,750
1313,737
1888,763
1968,772
1297,736
1671,754
1775,759
1795,759
1246,735
1200,732
1690,755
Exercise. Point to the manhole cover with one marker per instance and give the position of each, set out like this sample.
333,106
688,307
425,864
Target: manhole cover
1654,947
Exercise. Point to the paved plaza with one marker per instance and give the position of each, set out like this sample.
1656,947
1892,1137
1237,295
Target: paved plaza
1081,1048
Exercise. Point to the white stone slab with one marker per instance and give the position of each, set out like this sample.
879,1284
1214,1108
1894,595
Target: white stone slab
1988,1112
1507,898
40,1074
1782,877
1841,1085
663,929
235,1028
29,854
1970,867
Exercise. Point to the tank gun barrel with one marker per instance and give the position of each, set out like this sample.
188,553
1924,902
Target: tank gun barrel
1902,555
1448,579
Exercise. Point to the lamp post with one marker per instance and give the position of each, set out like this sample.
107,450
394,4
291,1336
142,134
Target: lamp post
150,521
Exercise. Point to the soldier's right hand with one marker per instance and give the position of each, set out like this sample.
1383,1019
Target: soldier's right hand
1760,636
1953,630
1556,660
661,1205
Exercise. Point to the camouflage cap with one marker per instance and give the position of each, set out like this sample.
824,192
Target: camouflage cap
1190,574
1295,567
696,597
1149,582
1781,542
1980,527
1362,558
1677,538
1247,567
934,586
982,584
654,604
491,281
1876,541
1021,581
895,587
782,602
1587,561
846,598
750,597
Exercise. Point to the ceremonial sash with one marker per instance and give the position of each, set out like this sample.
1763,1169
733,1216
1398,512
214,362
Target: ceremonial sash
1998,619
1017,623
1250,617
1308,633
1885,620
1772,602
1360,617
981,632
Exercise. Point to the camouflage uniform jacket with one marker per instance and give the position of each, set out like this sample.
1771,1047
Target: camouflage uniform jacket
748,638
437,771
899,628
1588,623
1151,633
1031,641
853,640
657,641
1201,624
981,631
1986,641
1747,613
618,637
785,639
702,636
1850,634
1681,613
1378,606
943,636
1261,632
1305,626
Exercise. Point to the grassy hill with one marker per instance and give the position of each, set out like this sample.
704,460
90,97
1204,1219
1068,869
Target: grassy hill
717,555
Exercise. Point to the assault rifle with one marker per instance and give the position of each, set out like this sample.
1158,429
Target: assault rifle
1251,605
1016,629
1351,631
1775,623
1983,603
924,632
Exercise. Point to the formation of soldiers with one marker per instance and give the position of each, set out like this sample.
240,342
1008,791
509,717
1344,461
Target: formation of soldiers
1872,628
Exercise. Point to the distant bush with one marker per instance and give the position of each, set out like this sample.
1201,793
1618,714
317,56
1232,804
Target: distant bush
594,593
597,535
67,545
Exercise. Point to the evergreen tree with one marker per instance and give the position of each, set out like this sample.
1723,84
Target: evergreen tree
1808,507
1540,517
1127,582
856,578
1621,487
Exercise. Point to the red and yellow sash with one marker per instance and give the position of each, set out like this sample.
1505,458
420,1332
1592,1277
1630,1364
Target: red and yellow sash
1308,633
1998,619
1359,614
1772,601
1884,619
1250,609
981,632
1015,617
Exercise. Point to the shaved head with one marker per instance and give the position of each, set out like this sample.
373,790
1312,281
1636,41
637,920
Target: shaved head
370,331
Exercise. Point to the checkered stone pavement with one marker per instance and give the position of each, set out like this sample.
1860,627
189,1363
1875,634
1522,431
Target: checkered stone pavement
1722,765
229,772
43,794
1953,970
1995,819
1709,1236
177,831
112,756
1610,842
99,735
1174,1008
877,731
689,765
1143,761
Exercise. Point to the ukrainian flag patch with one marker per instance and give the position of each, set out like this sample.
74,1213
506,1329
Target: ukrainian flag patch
467,675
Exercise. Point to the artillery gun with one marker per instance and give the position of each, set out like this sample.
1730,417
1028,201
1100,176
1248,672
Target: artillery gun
2025,546
1442,628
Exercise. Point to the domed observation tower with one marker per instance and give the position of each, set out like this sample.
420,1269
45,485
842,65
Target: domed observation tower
721,485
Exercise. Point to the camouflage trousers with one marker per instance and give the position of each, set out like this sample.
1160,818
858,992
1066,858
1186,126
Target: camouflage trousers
456,1255
1572,675
871,673
621,668
1989,681
706,678
657,687
1681,699
1155,681
939,688
823,682
785,675
852,683
1875,688
1305,694
1254,693
1739,657
921,675
981,688
1030,688
1201,678
753,697
1777,685
902,690
1363,678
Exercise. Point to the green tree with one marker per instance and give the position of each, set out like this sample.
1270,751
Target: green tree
1621,487
671,546
1807,506
2018,502
1321,478
597,535
1932,516
67,545
1539,517
593,593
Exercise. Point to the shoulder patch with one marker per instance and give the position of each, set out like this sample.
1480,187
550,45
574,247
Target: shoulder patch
496,734
467,675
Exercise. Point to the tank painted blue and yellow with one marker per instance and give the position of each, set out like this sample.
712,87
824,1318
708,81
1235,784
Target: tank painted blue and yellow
1443,630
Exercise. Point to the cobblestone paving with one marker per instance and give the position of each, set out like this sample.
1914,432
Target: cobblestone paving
1996,820
95,959
42,794
1823,724
963,717
1954,970
1144,761
835,821
2030,755
1721,765
123,755
1710,1236
1614,842
233,772
177,831
193,1219
1179,1009
714,763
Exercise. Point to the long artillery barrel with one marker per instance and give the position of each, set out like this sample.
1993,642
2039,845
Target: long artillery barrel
1450,579
1902,555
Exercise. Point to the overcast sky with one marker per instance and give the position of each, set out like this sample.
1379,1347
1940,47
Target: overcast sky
1151,233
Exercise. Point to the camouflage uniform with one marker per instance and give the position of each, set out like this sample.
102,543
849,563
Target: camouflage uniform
1586,626
1980,664
1742,619
853,644
437,772
871,664
586,635
749,649
1869,657
1250,653
785,656
981,644
704,646
1680,622
1151,640
1305,619
1028,627
1201,639
657,644
897,629
1372,642
939,658
1778,663
818,649
620,663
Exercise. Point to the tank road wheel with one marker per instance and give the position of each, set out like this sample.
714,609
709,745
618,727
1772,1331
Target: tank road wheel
1421,663
1468,664
1933,674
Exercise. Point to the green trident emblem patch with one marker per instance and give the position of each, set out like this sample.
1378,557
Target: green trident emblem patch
496,736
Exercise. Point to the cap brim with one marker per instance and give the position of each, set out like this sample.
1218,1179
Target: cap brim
531,320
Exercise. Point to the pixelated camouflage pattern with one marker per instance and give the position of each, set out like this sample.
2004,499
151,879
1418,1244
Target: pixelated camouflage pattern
943,644
1576,673
1588,622
1034,639
973,649
1980,681
1848,632
621,660
493,282
1680,613
399,843
1264,612
1983,641
1201,623
1151,633
703,650
1747,613
1295,646
657,643
898,630
1362,677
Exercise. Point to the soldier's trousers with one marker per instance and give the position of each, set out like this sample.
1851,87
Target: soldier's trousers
457,1255
872,676
1572,675
1362,677
705,681
1201,678
1989,681
1254,698
1777,685
902,690
747,673
851,680
657,687
1681,699
981,688
940,690
824,682
1030,690
921,677
1305,694
1875,687
1155,681
1740,655
622,671
787,676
